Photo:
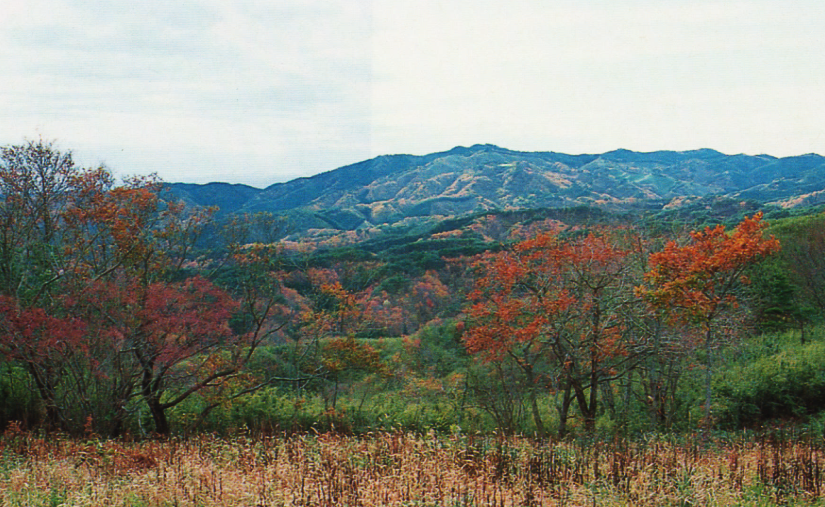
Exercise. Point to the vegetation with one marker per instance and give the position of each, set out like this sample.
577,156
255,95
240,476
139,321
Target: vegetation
535,355
401,469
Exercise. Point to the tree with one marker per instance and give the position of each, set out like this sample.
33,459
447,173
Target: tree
343,358
698,282
596,344
805,254
97,306
42,343
779,303
36,183
427,298
178,335
551,302
185,334
113,241
266,306
39,185
514,303
791,287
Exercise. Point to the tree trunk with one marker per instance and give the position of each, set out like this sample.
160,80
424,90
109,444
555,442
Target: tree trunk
151,391
536,415
47,393
564,411
593,403
628,395
708,377
590,415
116,427
158,416
588,411
534,405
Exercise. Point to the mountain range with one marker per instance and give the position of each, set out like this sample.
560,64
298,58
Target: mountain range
394,190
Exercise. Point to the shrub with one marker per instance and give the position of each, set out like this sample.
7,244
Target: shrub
787,383
18,401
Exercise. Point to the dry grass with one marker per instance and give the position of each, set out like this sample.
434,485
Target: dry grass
396,469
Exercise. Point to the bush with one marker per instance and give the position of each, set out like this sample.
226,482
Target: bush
18,401
783,384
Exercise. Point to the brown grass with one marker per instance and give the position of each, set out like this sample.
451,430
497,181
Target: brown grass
397,469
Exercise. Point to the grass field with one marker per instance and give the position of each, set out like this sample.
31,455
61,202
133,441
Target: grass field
397,469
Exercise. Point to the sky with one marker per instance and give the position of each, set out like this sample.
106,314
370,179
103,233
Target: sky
260,92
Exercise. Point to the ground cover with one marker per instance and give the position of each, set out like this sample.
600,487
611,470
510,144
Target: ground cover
402,469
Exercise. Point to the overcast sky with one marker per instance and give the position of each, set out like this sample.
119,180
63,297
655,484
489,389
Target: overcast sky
259,92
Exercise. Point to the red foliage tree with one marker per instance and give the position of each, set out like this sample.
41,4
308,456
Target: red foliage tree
39,185
42,343
88,303
177,334
427,298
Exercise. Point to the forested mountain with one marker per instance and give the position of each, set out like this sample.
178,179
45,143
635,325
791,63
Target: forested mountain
407,189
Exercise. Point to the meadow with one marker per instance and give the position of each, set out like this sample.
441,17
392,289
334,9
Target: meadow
405,469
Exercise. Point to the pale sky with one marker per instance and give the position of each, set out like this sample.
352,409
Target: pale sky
259,92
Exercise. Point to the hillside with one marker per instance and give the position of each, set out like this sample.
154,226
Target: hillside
122,315
409,190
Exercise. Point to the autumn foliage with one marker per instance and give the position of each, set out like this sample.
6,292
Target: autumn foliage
87,299
558,302
568,309
696,279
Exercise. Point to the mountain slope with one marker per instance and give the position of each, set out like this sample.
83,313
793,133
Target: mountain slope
407,189
229,198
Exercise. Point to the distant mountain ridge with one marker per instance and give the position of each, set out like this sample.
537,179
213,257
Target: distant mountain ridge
393,189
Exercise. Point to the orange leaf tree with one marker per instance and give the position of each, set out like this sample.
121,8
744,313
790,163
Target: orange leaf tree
698,282
553,302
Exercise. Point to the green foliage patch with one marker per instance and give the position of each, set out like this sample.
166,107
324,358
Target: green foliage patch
777,379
